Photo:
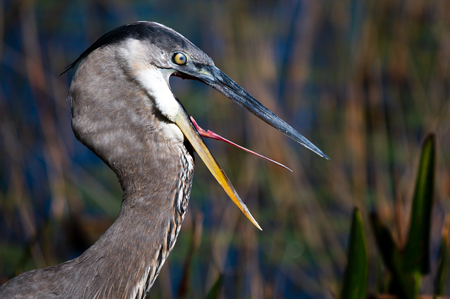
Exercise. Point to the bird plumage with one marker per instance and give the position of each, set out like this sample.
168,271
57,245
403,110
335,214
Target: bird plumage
124,111
116,118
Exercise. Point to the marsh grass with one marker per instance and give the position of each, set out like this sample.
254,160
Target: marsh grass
363,80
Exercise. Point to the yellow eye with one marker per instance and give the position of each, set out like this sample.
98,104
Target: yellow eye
179,58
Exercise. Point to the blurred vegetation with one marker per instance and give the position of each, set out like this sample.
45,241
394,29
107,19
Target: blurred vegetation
363,80
354,285
408,263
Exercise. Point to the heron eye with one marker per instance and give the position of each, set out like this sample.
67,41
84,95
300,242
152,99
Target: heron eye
179,58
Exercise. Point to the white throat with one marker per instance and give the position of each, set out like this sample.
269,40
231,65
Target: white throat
156,83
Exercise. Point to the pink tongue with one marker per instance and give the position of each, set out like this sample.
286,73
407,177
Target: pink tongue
212,135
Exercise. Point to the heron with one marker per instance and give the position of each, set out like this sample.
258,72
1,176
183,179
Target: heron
124,111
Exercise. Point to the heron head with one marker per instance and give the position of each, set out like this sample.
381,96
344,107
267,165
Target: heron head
149,53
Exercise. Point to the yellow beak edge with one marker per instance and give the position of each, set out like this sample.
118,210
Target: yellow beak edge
185,125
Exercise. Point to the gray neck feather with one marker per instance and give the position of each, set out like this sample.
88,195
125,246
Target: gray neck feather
118,122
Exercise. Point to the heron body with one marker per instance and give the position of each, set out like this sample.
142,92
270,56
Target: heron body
124,111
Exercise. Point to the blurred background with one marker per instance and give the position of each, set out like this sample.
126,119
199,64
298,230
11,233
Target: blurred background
363,80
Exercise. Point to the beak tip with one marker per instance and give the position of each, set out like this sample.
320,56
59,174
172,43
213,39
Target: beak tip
315,149
257,225
249,215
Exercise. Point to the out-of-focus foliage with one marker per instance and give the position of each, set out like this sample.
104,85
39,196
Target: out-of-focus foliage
363,80
407,265
417,248
400,282
355,277
441,275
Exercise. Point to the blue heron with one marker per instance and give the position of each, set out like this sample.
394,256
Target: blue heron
125,112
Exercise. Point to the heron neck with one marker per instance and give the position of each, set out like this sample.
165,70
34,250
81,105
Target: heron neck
140,240
118,121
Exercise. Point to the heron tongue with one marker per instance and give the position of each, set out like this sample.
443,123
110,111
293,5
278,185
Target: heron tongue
212,135
182,121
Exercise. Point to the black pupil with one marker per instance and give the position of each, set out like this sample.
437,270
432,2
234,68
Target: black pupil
181,58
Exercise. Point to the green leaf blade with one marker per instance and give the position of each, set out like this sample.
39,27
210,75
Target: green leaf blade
417,249
355,278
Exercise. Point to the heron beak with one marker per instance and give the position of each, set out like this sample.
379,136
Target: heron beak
183,122
217,79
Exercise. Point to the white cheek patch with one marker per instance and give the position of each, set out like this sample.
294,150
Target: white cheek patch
157,87
156,82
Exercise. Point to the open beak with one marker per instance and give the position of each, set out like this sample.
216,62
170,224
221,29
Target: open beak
183,122
217,79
